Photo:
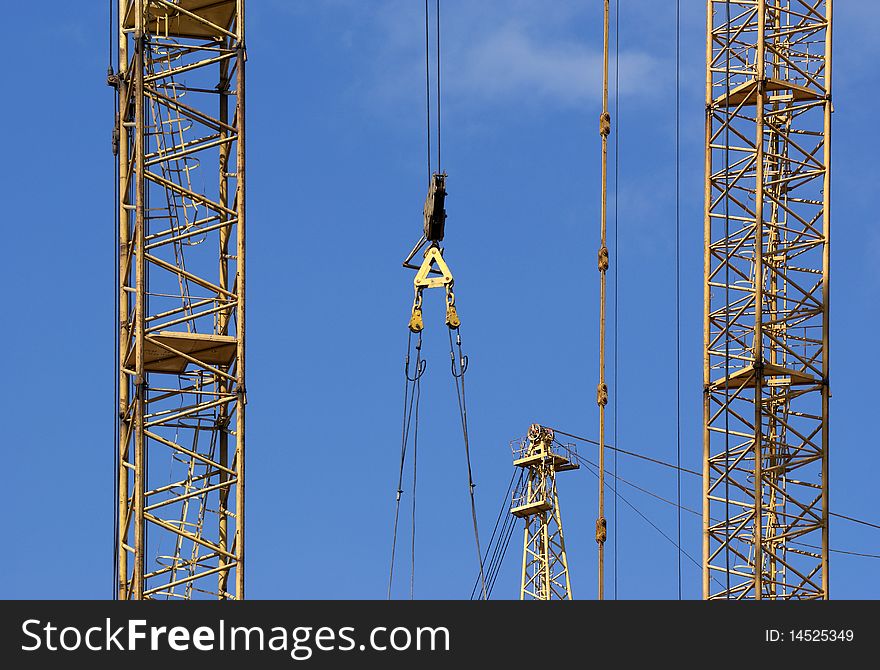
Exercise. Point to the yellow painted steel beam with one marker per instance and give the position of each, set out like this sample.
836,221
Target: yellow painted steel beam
765,366
181,299
545,574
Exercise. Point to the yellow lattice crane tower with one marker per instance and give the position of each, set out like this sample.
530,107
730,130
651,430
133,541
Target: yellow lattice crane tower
765,440
545,564
180,144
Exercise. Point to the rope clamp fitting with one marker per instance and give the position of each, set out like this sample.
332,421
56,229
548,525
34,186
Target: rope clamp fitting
602,394
601,530
605,124
603,259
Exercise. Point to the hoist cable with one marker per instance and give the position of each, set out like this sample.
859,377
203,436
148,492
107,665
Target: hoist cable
409,400
111,33
428,87
458,377
727,309
412,574
438,87
678,274
616,533
492,546
116,333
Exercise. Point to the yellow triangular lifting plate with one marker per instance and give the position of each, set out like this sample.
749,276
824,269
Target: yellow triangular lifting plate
423,279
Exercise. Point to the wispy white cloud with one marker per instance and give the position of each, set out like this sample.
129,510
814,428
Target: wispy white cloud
496,52
512,63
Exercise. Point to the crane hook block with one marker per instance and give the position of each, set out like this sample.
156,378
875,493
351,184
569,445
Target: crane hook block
415,321
435,208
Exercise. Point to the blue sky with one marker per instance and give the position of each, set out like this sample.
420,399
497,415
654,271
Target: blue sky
336,185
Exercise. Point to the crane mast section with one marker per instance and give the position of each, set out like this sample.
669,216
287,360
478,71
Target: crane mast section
766,269
179,140
545,574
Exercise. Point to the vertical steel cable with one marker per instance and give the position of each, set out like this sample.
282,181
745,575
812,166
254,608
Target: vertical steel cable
727,300
462,409
614,271
439,169
412,573
678,274
116,319
409,401
428,88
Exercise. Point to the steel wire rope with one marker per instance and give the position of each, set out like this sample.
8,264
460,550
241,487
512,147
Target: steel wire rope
854,520
428,87
418,393
690,472
690,510
837,551
590,466
409,399
627,453
504,544
116,320
458,378
438,86
678,274
498,552
505,507
615,272
697,513
584,459
492,546
727,186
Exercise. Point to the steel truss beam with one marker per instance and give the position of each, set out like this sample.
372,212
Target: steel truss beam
180,93
765,439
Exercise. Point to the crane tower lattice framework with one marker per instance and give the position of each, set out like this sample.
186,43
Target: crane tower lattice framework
179,139
765,439
545,574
